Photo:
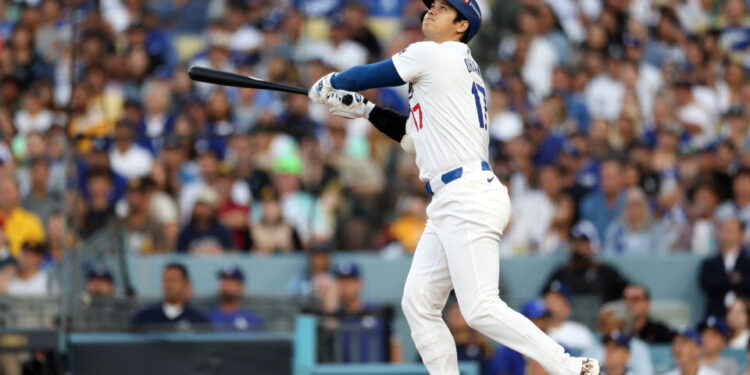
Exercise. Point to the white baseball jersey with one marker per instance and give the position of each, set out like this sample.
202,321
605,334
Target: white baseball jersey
448,120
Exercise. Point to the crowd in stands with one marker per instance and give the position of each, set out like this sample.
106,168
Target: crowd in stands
620,128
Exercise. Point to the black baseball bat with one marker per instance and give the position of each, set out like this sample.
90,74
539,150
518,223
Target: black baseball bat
219,77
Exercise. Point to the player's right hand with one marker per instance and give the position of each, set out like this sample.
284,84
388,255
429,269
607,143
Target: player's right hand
321,89
355,106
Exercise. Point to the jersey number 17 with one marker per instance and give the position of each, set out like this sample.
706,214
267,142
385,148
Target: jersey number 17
476,89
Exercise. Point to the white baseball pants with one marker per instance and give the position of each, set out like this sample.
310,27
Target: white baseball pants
459,250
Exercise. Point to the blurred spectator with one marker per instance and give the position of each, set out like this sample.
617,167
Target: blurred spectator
603,206
616,354
686,350
672,217
507,361
127,157
638,300
635,231
534,211
33,117
316,280
300,209
6,259
568,333
739,205
613,318
367,318
703,232
230,315
726,275
470,344
582,273
738,320
714,335
158,119
143,234
408,227
175,311
204,234
99,211
233,215
341,52
272,234
99,282
693,117
41,200
20,225
163,207
355,18
27,279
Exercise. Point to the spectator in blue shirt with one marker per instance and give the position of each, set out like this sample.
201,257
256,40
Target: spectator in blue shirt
616,353
230,315
605,205
204,234
175,312
362,326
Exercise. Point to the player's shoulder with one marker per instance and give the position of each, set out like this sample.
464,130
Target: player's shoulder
425,47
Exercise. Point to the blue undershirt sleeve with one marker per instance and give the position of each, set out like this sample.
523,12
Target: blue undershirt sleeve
363,77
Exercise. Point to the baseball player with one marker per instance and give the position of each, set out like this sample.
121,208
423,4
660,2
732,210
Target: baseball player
447,130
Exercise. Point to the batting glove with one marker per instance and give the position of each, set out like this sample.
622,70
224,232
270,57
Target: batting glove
321,89
349,104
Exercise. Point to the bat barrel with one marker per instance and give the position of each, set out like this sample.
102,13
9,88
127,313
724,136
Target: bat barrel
197,73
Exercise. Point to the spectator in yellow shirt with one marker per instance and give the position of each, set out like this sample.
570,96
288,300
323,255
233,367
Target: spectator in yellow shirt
408,227
20,225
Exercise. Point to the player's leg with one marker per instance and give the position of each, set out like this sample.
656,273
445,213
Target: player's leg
470,234
425,293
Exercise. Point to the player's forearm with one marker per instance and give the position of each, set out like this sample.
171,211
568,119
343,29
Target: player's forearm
363,77
389,122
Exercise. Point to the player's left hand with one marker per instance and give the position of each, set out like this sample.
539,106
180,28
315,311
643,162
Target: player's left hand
321,89
357,107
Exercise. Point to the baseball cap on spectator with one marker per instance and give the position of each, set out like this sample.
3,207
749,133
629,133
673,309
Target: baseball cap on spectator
99,144
535,309
208,196
618,338
709,147
585,231
715,323
570,148
232,271
338,21
288,164
273,21
34,247
346,269
99,272
691,334
561,288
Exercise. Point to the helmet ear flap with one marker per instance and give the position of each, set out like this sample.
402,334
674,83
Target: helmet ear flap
421,17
